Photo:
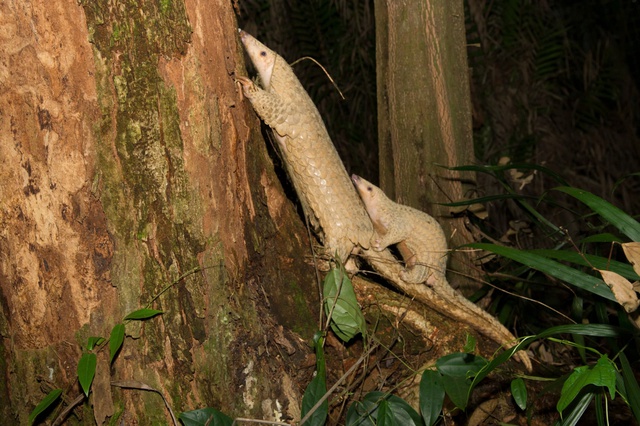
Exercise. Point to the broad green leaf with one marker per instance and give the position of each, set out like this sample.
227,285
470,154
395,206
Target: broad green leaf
399,407
555,269
94,341
86,371
457,371
316,390
367,412
115,340
519,392
385,416
460,365
361,413
616,217
458,389
631,387
602,374
393,414
431,396
46,402
340,302
143,314
590,261
205,416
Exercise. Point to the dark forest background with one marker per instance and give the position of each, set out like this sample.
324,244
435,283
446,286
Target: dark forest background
553,83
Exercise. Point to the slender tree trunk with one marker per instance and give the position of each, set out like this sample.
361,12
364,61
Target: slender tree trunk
424,113
125,164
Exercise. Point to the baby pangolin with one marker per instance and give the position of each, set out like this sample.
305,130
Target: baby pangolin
423,247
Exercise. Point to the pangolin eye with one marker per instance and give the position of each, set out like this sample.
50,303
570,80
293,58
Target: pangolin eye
369,188
263,53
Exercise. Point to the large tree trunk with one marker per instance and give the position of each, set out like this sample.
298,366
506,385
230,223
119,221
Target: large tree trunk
424,112
125,163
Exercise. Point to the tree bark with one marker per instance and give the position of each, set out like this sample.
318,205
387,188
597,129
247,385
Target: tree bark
126,163
424,112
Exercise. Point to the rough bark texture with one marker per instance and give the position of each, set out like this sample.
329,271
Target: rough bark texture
424,114
125,163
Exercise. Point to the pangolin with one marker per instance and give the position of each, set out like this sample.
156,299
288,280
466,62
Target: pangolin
423,246
327,196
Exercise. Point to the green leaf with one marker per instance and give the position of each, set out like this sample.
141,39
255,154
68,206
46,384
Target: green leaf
205,416
625,223
458,390
602,374
576,412
470,345
555,269
316,389
460,365
393,414
431,396
605,237
385,416
115,340
143,314
600,410
590,261
340,302
361,413
519,392
93,341
396,411
86,371
457,370
46,402
600,330
631,387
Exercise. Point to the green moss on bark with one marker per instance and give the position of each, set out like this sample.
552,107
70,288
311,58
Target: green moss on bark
153,214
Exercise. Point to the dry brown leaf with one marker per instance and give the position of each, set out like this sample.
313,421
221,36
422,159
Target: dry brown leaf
481,414
101,390
632,251
622,290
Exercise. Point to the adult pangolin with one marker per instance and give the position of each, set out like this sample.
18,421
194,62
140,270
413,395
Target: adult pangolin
327,196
